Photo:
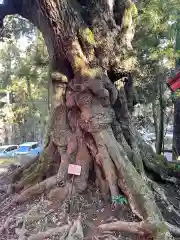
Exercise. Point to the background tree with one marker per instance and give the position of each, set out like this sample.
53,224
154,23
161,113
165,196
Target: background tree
155,55
24,74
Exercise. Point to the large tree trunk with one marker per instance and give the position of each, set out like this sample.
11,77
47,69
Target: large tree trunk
91,124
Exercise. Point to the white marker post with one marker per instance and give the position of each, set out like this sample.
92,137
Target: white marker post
74,170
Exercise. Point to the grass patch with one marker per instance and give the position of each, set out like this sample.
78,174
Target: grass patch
7,160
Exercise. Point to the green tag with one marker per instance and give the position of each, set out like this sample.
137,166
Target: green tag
120,199
178,166
173,94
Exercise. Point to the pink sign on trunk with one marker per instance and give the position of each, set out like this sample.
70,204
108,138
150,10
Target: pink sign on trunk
74,169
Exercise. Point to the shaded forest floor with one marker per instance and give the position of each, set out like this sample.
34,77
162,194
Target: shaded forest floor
41,214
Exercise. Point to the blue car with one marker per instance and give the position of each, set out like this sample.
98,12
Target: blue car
8,150
29,148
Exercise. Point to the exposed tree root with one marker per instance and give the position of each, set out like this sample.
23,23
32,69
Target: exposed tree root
70,231
51,232
167,171
35,190
173,229
13,176
45,186
25,163
139,228
106,237
76,231
134,187
8,221
159,192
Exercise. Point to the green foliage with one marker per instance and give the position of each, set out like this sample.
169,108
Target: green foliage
16,27
120,199
178,167
24,71
155,43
